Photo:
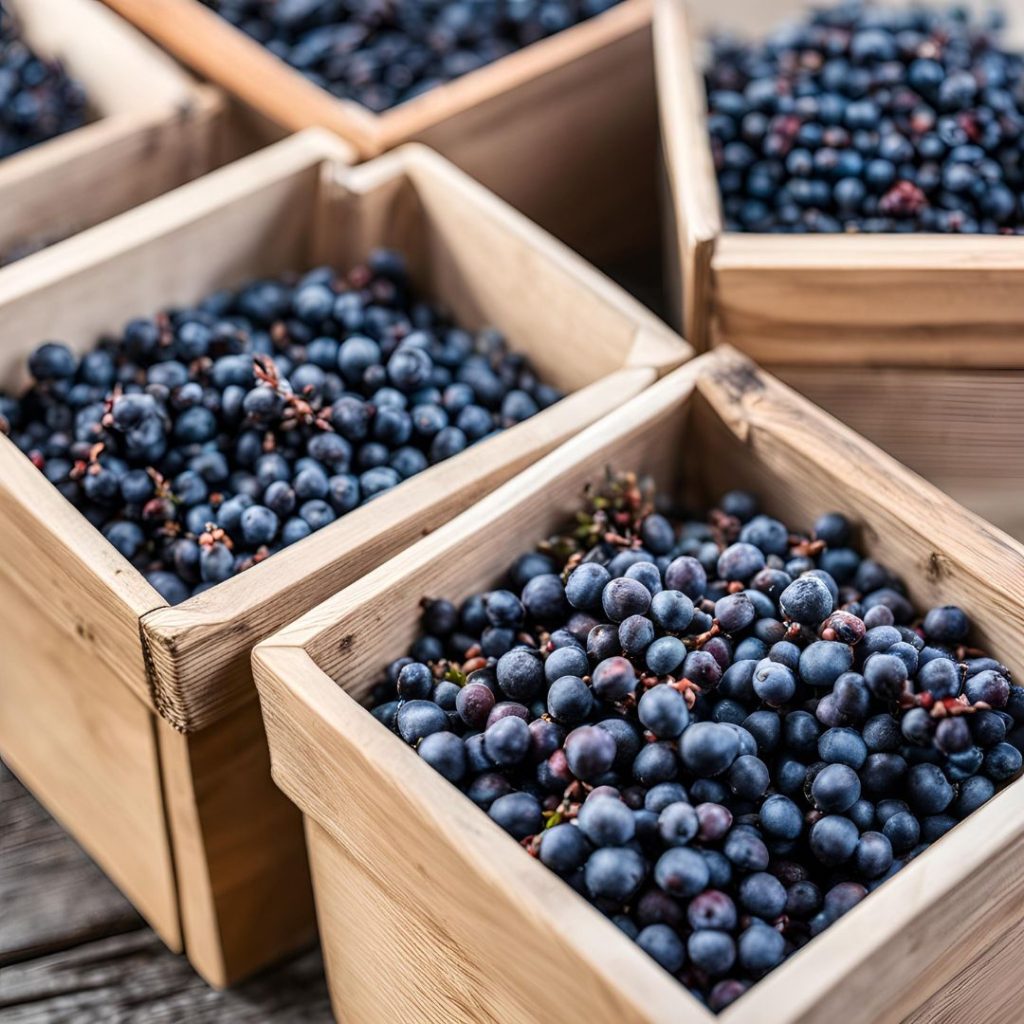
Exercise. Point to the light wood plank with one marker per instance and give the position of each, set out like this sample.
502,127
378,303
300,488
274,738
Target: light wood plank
875,300
133,978
85,745
54,897
986,991
238,850
696,219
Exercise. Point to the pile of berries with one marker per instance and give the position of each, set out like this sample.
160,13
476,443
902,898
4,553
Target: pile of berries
37,98
722,734
384,52
205,439
874,119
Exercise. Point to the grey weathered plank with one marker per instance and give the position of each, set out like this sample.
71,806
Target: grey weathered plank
132,978
73,949
51,894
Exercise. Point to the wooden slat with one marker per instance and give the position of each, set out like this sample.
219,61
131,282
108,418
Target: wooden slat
132,977
72,947
693,189
90,597
874,300
979,994
85,745
241,863
720,422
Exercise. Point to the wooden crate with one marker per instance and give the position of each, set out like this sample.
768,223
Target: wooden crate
416,886
565,129
942,317
151,128
837,300
137,723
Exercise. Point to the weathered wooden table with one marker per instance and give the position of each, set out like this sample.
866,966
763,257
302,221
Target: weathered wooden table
72,949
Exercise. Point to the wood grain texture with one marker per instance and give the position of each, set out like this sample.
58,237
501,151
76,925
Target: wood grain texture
567,119
979,994
961,429
245,892
857,300
871,300
346,772
132,978
85,745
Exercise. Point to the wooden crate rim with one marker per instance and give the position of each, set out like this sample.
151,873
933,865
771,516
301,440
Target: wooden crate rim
287,660
166,628
374,133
